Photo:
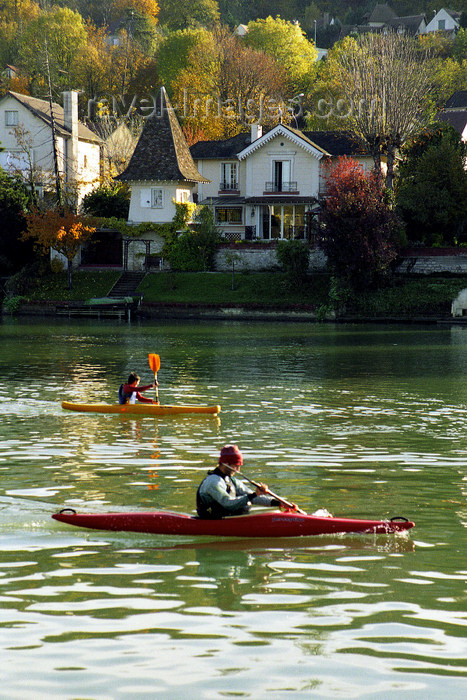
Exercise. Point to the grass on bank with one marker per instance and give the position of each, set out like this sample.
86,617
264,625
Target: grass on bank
407,296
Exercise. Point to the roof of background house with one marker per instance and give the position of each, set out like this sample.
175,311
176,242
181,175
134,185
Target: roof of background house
382,13
334,143
41,109
162,152
457,119
411,22
222,148
454,13
337,143
457,101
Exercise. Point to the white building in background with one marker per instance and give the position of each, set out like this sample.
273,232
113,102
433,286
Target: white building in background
31,156
444,21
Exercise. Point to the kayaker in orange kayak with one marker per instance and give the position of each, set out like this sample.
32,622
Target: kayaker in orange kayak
131,391
221,494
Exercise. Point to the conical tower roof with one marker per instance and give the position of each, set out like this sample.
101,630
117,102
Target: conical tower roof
162,152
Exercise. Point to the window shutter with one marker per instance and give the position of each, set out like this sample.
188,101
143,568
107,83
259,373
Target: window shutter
145,200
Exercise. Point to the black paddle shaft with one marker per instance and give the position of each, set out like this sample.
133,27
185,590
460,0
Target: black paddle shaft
274,495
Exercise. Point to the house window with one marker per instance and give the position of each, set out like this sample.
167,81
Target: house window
229,176
441,24
229,215
182,196
157,198
11,118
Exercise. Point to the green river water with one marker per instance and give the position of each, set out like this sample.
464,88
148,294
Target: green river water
365,421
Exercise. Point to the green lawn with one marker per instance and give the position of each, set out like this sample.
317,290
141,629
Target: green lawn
268,289
86,285
429,296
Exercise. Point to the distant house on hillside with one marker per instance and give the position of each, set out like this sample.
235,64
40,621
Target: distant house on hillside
444,21
381,15
241,29
26,136
455,113
384,19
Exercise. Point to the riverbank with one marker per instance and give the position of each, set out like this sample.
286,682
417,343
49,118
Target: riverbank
252,296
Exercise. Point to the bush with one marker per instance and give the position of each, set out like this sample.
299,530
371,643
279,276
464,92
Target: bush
194,250
109,202
293,257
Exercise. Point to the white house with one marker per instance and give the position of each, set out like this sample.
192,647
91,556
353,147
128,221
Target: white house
266,186
262,186
444,21
26,136
161,170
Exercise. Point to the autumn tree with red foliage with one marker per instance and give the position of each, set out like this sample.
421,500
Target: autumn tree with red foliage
359,231
63,231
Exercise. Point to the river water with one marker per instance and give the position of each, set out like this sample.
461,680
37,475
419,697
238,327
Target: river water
365,421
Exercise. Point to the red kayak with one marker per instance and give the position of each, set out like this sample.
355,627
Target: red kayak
264,524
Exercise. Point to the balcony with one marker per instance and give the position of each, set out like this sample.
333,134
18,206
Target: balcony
229,187
282,187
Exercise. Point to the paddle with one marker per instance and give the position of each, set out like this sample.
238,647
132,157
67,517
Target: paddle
155,365
274,495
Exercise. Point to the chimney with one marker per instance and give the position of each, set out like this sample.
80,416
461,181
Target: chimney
256,132
70,121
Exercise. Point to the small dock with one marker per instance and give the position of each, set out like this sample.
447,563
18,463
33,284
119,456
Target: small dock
102,308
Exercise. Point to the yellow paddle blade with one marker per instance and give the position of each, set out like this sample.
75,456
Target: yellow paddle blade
154,362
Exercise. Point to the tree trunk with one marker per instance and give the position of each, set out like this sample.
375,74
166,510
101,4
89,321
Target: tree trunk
69,275
390,171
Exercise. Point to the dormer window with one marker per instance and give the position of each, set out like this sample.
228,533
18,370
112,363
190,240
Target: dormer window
11,117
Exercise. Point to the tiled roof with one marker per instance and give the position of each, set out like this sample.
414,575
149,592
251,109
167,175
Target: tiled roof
382,13
225,148
456,118
162,152
41,109
457,101
334,143
337,143
411,22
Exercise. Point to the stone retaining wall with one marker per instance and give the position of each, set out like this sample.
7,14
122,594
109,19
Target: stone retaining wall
432,264
260,259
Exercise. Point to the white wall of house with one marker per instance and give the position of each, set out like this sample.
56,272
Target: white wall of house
213,170
154,202
303,167
88,167
13,158
442,21
12,114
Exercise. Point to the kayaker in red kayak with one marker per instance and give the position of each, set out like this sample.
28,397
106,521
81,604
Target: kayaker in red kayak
221,494
131,391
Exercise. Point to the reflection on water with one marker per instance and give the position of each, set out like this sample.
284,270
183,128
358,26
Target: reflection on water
365,421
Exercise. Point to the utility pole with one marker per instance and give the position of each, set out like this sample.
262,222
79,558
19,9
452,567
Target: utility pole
58,182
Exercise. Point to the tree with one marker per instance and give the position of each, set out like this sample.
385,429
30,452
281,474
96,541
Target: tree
432,193
64,231
387,79
359,230
107,201
183,14
226,85
173,54
14,200
287,43
65,34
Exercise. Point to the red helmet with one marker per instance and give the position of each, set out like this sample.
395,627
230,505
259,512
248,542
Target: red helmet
230,454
